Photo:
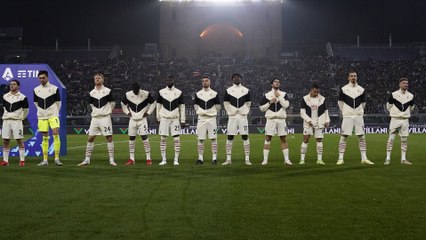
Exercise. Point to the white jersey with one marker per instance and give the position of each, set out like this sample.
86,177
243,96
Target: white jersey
400,104
101,101
206,103
352,100
170,104
15,106
47,101
237,101
275,110
138,104
314,110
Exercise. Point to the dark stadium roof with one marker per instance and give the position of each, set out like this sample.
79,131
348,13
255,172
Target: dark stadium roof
136,21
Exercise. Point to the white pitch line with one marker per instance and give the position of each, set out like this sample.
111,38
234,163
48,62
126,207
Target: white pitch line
99,144
151,139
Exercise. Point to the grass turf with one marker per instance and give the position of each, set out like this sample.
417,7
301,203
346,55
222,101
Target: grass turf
217,202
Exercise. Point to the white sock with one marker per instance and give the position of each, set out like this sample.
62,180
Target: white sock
176,142
285,153
147,147
21,154
363,147
265,154
214,149
111,151
163,145
319,151
132,149
200,148
6,152
303,150
342,147
246,144
89,150
403,148
228,149
266,151
389,145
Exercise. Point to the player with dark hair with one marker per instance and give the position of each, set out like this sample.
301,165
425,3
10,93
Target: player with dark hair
274,103
237,104
48,103
400,104
352,103
314,113
138,104
171,115
206,105
15,106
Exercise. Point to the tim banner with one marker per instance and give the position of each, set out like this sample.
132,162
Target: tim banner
26,74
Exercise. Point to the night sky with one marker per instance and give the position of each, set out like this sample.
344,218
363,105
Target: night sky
134,22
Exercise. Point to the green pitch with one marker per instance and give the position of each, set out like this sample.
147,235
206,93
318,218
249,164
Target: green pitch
191,201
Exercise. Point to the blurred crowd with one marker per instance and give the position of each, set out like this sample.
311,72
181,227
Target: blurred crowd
379,78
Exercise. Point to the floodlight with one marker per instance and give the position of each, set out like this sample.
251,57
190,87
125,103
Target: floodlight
221,1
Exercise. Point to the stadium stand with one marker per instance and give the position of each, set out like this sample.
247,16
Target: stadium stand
379,77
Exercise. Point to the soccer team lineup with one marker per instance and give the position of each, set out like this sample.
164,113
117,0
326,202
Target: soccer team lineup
169,111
